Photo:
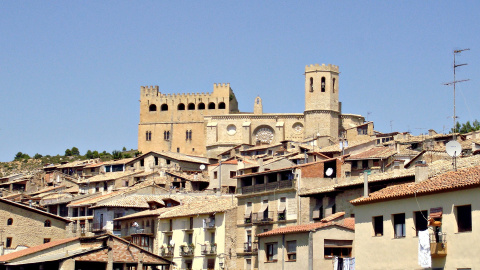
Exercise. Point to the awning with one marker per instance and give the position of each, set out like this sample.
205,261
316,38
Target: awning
338,243
264,207
282,208
436,212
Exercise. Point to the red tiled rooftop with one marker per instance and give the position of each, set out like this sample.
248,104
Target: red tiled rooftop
374,153
21,253
461,179
348,223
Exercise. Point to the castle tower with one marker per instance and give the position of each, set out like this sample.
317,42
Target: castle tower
322,108
258,107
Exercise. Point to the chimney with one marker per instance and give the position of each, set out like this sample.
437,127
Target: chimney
421,172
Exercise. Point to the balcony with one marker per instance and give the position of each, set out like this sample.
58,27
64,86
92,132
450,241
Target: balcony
250,247
283,184
137,230
209,224
209,249
262,217
438,245
187,226
167,251
187,250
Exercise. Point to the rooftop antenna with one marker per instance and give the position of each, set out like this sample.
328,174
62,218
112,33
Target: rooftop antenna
368,115
455,65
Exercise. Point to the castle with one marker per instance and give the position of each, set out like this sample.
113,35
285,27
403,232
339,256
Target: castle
210,123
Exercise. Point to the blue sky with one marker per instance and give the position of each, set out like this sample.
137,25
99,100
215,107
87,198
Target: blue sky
71,71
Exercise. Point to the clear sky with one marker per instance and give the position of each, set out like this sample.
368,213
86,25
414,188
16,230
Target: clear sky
71,71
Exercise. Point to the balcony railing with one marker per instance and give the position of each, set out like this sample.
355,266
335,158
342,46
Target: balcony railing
187,250
438,244
136,230
250,247
209,249
266,187
210,224
167,251
262,217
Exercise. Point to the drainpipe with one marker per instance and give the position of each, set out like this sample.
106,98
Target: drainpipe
310,250
283,251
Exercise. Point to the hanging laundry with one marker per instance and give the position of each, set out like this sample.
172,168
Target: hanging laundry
424,256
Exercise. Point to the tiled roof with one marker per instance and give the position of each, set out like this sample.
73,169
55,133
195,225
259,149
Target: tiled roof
118,161
232,161
47,189
107,177
78,163
21,253
261,147
183,199
461,179
189,177
202,205
435,168
351,143
333,217
348,223
374,153
134,201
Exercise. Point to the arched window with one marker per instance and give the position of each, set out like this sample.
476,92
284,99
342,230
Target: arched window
191,106
47,223
181,107
166,135
188,135
201,106
10,221
323,84
152,108
211,106
311,84
164,107
221,105
333,85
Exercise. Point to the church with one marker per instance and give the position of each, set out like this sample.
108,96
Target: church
207,124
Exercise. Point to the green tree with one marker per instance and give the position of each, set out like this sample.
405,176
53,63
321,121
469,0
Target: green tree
127,155
137,153
117,154
20,156
95,154
476,125
68,152
75,151
124,149
37,156
89,154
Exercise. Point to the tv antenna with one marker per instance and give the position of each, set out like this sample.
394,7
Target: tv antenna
455,65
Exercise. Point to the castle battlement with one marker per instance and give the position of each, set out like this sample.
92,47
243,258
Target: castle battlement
323,67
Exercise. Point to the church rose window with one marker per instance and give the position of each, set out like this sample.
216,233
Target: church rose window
297,128
231,129
264,135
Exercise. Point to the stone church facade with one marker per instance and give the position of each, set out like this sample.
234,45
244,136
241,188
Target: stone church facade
210,123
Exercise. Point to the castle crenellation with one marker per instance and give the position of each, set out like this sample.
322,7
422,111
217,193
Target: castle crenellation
323,67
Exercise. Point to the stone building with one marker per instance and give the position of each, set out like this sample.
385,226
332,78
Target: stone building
209,124
18,221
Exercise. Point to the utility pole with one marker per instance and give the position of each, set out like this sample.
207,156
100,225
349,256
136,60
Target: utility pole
455,52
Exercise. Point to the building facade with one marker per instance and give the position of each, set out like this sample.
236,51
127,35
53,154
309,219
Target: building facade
209,124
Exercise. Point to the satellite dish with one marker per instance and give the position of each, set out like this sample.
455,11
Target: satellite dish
453,148
202,167
329,172
172,243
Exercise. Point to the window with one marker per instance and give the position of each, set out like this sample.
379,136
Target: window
464,218
311,84
215,175
221,105
201,106
190,238
271,252
148,136
178,149
156,161
10,221
233,174
164,107
323,84
152,108
337,248
333,85
47,223
166,135
211,106
421,221
181,107
364,164
188,135
9,242
378,226
46,240
191,107
399,225
168,161
292,250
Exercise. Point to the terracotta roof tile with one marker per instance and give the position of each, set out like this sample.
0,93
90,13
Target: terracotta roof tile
374,153
17,254
348,223
333,217
202,205
464,178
